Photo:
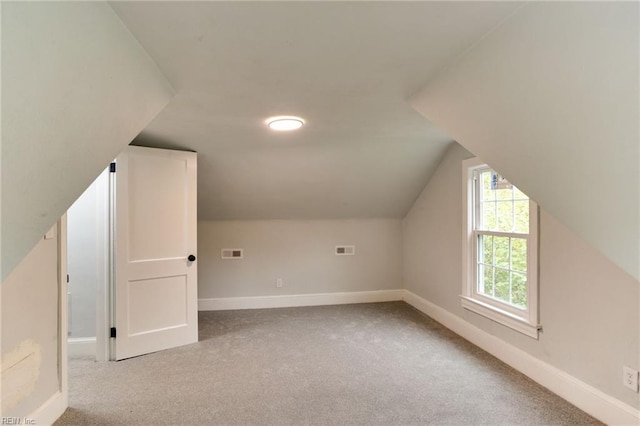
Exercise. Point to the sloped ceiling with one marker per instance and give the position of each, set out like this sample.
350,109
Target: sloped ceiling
76,89
551,99
348,68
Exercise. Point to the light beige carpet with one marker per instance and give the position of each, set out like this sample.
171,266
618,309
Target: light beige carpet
370,364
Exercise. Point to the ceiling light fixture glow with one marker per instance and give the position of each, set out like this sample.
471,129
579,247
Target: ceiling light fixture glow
285,123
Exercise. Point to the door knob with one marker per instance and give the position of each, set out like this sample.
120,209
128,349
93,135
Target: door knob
191,258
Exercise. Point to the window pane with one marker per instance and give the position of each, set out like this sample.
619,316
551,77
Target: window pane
504,194
488,194
519,254
502,285
489,216
519,289
486,251
505,216
501,252
485,281
519,195
522,216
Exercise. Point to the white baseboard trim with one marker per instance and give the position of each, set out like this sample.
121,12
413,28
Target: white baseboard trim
259,302
81,347
589,399
50,411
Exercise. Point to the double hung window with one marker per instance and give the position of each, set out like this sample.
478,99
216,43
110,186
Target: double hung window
500,244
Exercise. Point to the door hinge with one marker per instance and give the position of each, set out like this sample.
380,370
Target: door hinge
112,167
113,332
67,278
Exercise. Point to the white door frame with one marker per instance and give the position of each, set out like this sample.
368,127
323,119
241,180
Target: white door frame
105,254
63,313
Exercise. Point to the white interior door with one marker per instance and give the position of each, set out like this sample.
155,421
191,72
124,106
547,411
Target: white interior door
156,304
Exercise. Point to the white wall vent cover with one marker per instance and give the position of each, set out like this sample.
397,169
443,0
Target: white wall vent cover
231,253
345,250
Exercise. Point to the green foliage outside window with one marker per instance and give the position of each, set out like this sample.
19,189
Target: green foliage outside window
502,260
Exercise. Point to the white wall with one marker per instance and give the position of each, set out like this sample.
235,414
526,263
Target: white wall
76,89
301,253
30,331
550,98
87,238
588,305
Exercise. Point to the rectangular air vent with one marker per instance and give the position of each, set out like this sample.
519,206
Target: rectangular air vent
231,253
345,250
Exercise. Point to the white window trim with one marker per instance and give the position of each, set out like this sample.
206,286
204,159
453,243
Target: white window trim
523,321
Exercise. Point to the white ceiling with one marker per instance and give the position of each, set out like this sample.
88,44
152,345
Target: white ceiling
347,68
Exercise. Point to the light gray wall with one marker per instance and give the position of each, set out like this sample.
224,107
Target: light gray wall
588,305
76,89
87,233
30,331
301,253
550,98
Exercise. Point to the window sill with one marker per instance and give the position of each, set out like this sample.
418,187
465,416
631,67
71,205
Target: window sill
502,317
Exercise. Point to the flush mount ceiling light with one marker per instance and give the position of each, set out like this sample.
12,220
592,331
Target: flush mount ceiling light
285,123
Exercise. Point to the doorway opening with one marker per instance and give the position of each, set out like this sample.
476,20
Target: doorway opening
132,289
89,271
